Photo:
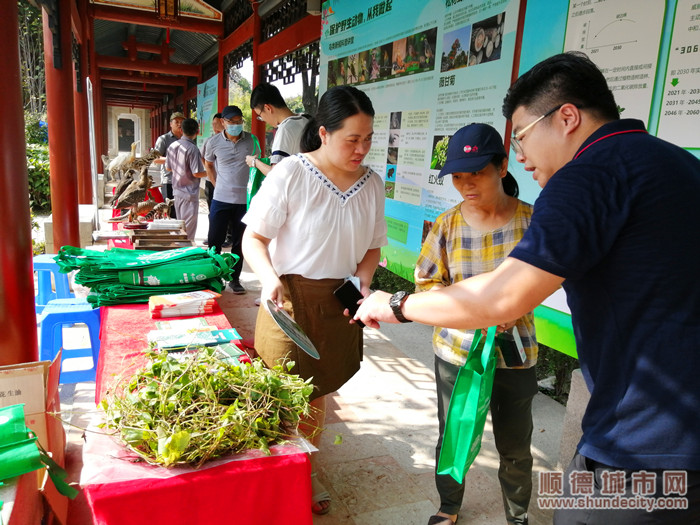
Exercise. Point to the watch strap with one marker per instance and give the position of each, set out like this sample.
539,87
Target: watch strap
396,302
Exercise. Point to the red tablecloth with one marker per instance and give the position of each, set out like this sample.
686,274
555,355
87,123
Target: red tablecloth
123,340
251,488
246,489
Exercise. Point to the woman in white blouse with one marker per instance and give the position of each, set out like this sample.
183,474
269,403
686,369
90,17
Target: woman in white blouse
317,219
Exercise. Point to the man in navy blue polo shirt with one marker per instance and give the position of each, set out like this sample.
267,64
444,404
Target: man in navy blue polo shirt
617,225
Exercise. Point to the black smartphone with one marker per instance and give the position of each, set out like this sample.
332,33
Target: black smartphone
511,347
348,295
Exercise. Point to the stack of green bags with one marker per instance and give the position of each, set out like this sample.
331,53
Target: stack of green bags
20,451
119,276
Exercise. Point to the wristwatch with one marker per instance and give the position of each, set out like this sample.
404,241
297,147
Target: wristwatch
396,302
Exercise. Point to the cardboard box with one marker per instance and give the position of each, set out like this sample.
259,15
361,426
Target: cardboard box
36,385
24,383
56,502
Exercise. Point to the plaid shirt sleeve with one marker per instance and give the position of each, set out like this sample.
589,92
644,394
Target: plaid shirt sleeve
432,265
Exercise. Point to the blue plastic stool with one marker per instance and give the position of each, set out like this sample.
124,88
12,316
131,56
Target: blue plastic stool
59,313
45,267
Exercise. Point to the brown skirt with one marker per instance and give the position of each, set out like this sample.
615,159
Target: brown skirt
314,307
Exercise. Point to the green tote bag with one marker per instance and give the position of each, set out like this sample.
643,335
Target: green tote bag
20,451
469,405
256,176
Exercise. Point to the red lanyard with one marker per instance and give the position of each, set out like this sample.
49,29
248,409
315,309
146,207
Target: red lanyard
610,135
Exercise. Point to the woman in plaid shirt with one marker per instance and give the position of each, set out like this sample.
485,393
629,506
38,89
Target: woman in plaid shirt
469,239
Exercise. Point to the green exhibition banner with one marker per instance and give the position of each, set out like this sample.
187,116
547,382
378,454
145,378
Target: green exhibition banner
207,100
433,66
429,67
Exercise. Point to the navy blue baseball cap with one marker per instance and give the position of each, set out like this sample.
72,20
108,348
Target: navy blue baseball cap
471,149
231,111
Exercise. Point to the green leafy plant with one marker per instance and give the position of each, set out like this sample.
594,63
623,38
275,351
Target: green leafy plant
38,177
37,247
34,131
388,281
190,410
440,154
551,362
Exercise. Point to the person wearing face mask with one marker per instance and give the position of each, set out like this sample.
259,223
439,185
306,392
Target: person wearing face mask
225,163
162,144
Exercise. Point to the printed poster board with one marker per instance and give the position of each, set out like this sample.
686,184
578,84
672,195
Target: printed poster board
207,101
429,67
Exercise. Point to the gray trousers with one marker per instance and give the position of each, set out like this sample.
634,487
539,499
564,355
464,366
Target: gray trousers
511,415
636,516
187,209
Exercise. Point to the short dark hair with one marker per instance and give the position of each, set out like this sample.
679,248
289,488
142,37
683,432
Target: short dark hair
216,115
336,104
265,93
564,78
190,127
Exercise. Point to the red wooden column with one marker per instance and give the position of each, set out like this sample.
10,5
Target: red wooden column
94,74
221,92
257,127
82,128
60,120
18,343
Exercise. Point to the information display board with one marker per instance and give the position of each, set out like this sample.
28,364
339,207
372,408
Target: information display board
429,67
206,108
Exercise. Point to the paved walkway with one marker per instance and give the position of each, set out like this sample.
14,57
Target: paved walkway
385,416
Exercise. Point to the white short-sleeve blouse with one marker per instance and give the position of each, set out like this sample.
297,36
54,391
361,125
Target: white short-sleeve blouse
317,231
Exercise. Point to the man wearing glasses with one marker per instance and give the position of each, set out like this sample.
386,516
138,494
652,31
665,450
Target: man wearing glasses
269,107
617,225
225,164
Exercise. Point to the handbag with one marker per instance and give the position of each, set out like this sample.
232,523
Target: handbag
469,405
20,452
255,177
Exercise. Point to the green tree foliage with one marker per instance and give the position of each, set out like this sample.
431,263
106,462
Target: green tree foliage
31,50
38,177
295,104
239,95
309,91
34,131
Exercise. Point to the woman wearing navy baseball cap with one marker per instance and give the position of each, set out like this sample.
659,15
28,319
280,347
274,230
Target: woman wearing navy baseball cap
471,238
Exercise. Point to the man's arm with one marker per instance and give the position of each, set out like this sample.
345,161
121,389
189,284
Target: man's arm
210,171
196,163
509,292
252,161
160,148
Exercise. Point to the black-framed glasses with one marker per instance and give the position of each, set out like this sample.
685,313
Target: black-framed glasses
258,116
515,138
